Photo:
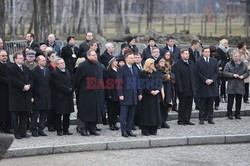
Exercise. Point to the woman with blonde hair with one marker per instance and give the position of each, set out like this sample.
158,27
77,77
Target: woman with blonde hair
150,83
223,57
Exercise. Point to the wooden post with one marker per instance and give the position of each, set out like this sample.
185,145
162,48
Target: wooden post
215,28
206,26
184,22
226,29
189,24
175,24
163,24
201,24
230,25
247,25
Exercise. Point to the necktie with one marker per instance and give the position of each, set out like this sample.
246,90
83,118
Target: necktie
207,60
43,71
21,68
172,49
131,69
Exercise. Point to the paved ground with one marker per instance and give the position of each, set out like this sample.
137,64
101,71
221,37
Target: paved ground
223,126
206,155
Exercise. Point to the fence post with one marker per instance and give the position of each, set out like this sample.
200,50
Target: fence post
175,24
206,18
139,24
189,24
215,28
226,29
230,25
247,25
163,24
184,22
201,24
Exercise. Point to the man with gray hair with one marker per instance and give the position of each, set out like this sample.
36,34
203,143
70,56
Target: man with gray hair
108,54
41,96
63,96
51,43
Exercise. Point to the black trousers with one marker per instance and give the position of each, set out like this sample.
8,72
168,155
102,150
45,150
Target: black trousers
51,118
113,109
62,125
185,108
127,117
149,129
164,112
206,108
38,126
87,126
223,87
230,103
5,124
19,122
246,95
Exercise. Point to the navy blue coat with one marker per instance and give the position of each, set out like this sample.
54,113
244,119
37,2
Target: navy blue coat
206,71
176,52
185,78
129,87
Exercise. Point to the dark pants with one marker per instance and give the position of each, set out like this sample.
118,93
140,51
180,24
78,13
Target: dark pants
175,97
230,103
197,102
206,108
19,122
51,118
87,126
217,101
164,112
5,123
62,126
38,126
149,129
246,95
223,87
113,109
185,108
127,117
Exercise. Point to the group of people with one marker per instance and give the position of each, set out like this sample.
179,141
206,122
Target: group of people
39,87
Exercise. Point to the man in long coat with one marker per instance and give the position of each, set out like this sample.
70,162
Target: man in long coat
207,88
5,120
63,96
89,93
20,104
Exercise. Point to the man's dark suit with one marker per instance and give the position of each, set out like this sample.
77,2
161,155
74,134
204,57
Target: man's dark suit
193,55
185,82
84,47
207,93
130,92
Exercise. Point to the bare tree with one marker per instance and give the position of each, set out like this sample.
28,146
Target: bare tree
2,19
128,15
42,24
120,11
150,11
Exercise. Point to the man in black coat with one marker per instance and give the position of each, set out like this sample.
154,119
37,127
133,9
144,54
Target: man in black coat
194,54
30,37
207,87
89,93
132,44
5,120
170,45
41,96
184,71
84,47
63,96
128,93
20,104
146,53
69,54
108,54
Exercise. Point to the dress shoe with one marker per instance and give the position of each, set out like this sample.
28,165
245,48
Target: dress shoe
18,137
133,128
111,127
131,134
237,117
174,109
230,117
8,131
197,108
189,123
211,121
98,129
94,133
84,133
216,108
145,134
201,122
116,127
124,134
60,133
181,123
51,129
34,134
67,133
165,125
25,136
41,133
247,102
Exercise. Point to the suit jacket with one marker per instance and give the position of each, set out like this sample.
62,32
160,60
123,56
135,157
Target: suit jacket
185,78
111,93
176,52
204,71
63,91
105,58
128,88
19,100
146,53
34,45
41,89
193,55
